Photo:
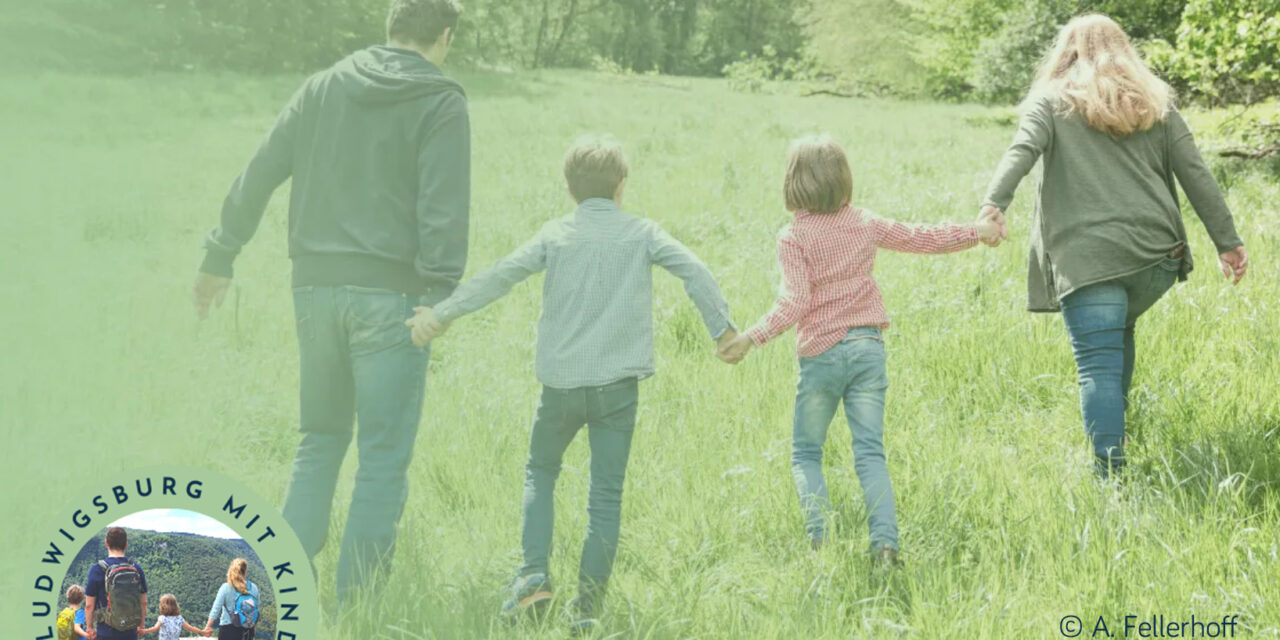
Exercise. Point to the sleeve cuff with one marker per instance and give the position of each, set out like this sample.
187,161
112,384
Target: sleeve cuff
217,263
758,336
444,312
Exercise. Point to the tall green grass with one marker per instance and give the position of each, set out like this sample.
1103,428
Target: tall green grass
109,185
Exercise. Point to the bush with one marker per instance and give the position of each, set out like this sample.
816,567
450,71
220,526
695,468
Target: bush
753,73
1227,51
1006,63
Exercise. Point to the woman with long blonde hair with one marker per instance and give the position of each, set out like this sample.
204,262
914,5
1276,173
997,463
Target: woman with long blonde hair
1108,241
235,608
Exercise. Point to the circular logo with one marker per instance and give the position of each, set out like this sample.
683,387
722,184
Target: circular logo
259,524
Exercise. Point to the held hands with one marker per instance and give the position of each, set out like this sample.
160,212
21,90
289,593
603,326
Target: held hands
1234,263
424,326
733,346
991,226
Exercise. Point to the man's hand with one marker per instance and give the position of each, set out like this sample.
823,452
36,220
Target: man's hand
424,326
991,226
93,630
733,347
1234,263
209,290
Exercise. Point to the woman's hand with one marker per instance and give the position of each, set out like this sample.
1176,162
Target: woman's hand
1234,263
991,226
733,348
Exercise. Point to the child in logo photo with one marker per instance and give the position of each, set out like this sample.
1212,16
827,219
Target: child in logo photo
170,623
71,619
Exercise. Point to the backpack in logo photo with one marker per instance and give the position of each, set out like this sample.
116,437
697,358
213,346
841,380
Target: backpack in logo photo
244,612
124,596
67,624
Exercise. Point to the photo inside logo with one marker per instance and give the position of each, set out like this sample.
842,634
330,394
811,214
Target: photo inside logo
169,574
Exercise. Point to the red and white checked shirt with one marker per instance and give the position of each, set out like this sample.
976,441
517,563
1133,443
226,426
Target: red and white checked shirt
826,261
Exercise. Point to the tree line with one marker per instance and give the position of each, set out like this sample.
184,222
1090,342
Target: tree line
1218,51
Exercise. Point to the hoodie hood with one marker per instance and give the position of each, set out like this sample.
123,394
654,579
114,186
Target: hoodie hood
382,74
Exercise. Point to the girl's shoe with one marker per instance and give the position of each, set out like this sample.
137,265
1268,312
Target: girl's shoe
583,617
530,594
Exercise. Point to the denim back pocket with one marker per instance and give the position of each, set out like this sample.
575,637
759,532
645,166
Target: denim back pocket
867,364
304,312
376,318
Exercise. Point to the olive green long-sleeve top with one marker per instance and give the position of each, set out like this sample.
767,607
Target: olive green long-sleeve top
1107,207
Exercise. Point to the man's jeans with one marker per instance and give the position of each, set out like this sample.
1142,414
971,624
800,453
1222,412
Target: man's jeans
852,371
356,361
1100,320
609,412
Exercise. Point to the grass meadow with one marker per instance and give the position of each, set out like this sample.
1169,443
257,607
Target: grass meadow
110,184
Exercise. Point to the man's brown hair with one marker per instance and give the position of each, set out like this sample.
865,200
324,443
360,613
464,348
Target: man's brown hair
594,167
421,22
818,177
117,539
75,595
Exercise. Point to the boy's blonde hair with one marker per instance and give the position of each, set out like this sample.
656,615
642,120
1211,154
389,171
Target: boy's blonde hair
818,177
75,595
169,605
1092,69
594,167
238,575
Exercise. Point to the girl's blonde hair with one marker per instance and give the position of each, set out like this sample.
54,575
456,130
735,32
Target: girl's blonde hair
237,575
169,605
818,178
1093,70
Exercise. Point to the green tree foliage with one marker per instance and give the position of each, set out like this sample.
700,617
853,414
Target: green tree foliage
866,42
963,49
191,567
1227,51
673,36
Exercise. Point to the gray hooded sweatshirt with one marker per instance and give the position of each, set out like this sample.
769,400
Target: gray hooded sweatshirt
379,150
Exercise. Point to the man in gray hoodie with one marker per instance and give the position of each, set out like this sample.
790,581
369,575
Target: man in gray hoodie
378,147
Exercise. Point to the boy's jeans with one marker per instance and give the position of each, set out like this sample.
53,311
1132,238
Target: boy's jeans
610,415
852,371
1100,319
356,361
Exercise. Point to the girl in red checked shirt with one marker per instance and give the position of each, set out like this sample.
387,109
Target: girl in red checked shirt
827,254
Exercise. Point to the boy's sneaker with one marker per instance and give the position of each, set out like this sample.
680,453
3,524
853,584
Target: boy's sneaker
583,617
530,594
885,559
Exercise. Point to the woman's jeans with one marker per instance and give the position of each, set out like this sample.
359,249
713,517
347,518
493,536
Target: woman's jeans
1100,320
609,413
357,361
852,371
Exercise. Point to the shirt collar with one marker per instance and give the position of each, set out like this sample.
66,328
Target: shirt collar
597,205
805,213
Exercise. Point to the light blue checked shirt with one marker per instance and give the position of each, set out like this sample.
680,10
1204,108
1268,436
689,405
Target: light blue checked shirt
596,325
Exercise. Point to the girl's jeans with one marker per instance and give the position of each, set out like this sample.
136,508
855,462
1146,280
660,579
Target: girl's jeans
1100,320
852,371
